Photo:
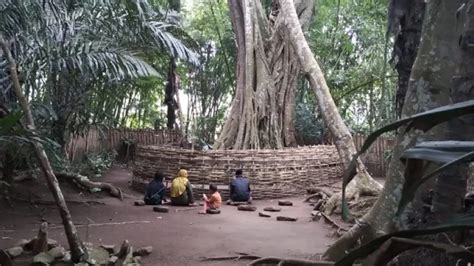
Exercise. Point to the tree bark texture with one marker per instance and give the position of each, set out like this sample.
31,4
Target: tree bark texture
429,87
171,91
450,188
363,183
407,40
78,253
262,111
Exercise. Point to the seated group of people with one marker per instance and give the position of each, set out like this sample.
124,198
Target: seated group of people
181,191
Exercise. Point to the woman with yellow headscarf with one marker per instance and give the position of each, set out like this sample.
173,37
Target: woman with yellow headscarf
181,190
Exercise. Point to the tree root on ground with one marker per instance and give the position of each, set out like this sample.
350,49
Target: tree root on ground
359,186
85,182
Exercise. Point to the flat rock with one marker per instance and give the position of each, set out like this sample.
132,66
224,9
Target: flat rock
213,211
139,203
272,209
262,214
246,208
109,248
57,252
161,209
99,256
285,203
14,251
44,258
144,251
286,219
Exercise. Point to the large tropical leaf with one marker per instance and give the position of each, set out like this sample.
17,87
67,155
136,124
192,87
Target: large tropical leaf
462,222
449,153
423,121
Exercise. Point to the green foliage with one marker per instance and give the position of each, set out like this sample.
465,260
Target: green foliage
95,165
348,38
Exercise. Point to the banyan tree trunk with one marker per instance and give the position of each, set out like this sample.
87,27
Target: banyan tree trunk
262,111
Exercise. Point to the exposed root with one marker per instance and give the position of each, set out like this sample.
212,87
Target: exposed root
85,182
333,223
359,186
288,262
318,196
316,190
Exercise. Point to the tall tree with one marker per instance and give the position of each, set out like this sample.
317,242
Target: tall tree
363,183
429,87
262,111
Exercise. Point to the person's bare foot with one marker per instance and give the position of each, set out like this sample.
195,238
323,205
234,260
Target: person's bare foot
201,212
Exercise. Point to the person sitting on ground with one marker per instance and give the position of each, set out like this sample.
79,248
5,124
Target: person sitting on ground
155,191
240,188
213,203
181,190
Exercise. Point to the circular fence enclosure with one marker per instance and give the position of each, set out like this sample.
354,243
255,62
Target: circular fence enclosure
272,173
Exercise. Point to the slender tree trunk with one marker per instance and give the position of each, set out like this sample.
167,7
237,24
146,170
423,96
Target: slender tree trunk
363,183
170,92
428,88
78,253
262,111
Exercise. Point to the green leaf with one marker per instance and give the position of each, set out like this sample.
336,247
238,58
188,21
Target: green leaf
9,121
423,121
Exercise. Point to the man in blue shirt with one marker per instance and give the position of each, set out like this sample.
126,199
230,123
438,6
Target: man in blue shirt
240,188
155,191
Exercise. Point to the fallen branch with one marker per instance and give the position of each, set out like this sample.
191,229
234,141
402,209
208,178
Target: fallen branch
88,184
288,262
239,256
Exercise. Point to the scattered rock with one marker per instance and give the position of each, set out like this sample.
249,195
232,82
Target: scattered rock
315,213
272,209
22,243
285,203
262,214
161,209
139,203
109,248
44,258
144,251
14,251
112,260
213,211
287,219
246,208
137,260
57,252
52,243
98,256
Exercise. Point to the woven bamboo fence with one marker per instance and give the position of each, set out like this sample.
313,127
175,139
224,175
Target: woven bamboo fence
375,159
273,173
96,141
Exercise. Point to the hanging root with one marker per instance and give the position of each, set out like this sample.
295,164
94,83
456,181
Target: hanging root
288,262
85,182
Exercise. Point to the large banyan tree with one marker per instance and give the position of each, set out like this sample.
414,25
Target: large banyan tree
262,111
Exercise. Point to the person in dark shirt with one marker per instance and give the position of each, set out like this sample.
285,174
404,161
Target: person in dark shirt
155,191
240,188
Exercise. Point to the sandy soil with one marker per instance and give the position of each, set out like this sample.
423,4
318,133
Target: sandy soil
180,237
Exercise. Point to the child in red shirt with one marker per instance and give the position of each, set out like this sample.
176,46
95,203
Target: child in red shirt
214,202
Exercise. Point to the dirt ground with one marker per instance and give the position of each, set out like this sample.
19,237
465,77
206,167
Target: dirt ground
180,237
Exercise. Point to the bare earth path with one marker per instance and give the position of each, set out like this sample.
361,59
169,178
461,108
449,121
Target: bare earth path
180,237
